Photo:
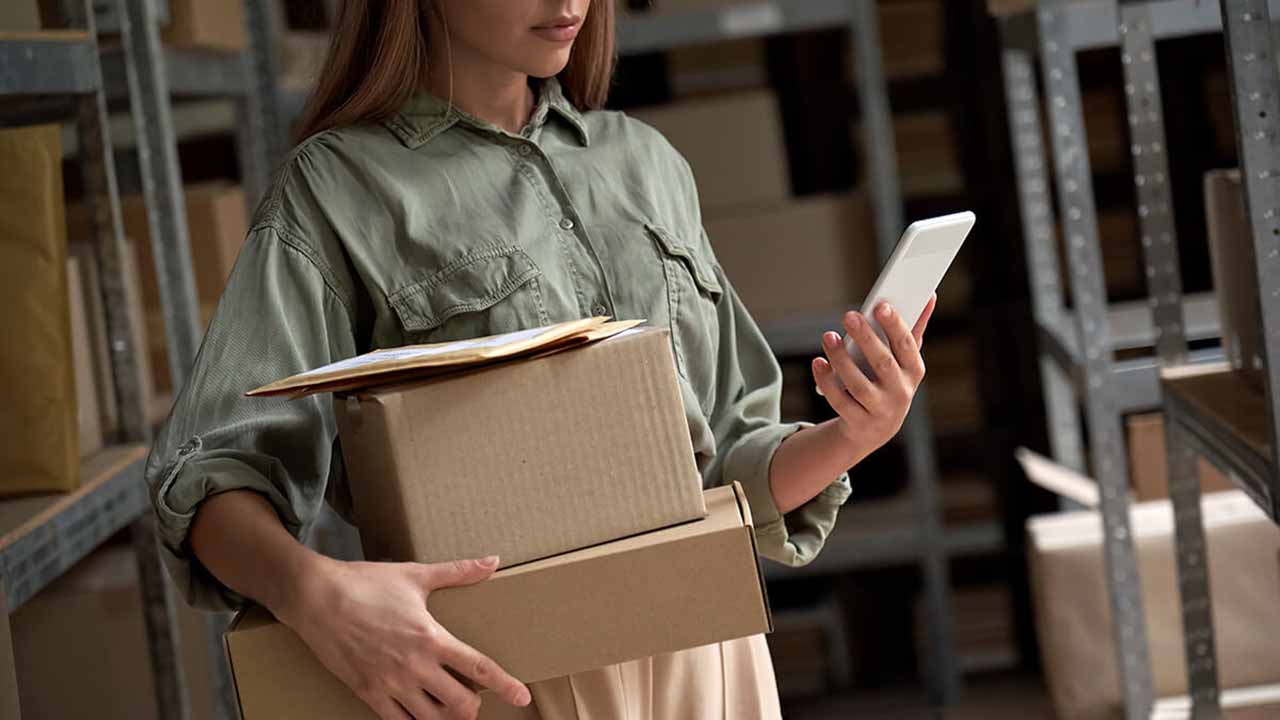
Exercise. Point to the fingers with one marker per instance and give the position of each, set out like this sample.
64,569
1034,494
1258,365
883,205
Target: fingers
923,321
902,342
846,372
873,348
416,704
459,572
458,701
388,709
833,390
470,663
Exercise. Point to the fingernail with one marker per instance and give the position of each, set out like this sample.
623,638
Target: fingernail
523,698
885,311
830,339
854,320
819,366
489,561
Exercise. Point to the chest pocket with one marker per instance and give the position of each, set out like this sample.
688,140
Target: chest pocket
693,290
495,289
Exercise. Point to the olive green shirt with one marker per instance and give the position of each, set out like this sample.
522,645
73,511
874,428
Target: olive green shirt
436,226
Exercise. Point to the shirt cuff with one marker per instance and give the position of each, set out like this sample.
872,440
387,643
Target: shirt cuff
190,478
794,538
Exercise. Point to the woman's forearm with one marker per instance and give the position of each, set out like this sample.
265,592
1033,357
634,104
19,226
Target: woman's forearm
239,538
808,461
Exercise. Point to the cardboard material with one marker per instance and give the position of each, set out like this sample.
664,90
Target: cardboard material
1073,614
88,628
216,225
1149,463
716,67
302,54
19,16
95,316
39,447
1234,278
735,145
812,256
88,415
525,459
685,586
202,24
927,154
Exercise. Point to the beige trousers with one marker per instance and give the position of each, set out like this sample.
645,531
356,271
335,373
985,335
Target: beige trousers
726,681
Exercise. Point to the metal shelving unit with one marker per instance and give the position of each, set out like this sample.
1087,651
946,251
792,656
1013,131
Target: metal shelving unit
152,76
1077,347
920,536
52,76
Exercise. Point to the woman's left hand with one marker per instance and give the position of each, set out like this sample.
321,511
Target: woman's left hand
872,411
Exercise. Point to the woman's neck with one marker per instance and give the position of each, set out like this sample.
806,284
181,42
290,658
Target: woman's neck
481,89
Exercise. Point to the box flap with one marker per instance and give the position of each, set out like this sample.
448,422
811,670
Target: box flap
395,364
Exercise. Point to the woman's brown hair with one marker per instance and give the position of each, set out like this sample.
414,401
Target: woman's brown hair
377,60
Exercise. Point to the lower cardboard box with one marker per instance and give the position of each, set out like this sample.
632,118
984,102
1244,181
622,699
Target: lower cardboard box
1073,616
662,591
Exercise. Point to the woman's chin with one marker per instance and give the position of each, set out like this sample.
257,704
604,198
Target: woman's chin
549,67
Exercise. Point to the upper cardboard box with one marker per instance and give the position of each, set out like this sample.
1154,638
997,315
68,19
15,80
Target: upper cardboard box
382,367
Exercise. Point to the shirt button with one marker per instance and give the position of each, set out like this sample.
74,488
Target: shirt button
599,311
524,150
566,223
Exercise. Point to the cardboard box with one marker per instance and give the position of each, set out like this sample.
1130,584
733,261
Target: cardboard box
39,447
88,629
95,316
911,35
955,403
1123,265
735,145
716,67
1073,615
201,24
302,55
812,256
525,459
216,223
1234,278
1149,463
19,16
667,590
88,414
928,161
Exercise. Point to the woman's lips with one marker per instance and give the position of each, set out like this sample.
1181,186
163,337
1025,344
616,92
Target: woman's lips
559,31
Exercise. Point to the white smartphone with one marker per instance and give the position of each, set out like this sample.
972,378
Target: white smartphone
913,273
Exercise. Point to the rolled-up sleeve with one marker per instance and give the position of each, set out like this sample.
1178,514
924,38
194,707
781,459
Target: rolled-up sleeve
745,422
282,312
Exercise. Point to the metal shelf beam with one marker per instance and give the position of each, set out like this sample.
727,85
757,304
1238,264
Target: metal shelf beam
189,73
1091,24
655,32
41,537
48,64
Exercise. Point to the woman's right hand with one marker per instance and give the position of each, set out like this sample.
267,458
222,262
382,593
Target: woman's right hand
368,624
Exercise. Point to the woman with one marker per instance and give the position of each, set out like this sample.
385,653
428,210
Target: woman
456,178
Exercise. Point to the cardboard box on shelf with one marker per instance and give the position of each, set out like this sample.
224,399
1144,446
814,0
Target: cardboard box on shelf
666,590
1234,278
575,463
1149,464
911,37
302,54
216,225
200,24
955,405
1073,615
95,316
88,414
1122,262
735,145
19,16
983,628
927,154
39,447
812,256
89,625
716,67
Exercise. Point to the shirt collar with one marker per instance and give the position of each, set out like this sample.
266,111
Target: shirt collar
425,115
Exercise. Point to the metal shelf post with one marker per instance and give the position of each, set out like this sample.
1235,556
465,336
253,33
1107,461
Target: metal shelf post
1080,226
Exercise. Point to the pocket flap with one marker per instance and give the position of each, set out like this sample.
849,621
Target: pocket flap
474,282
701,270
